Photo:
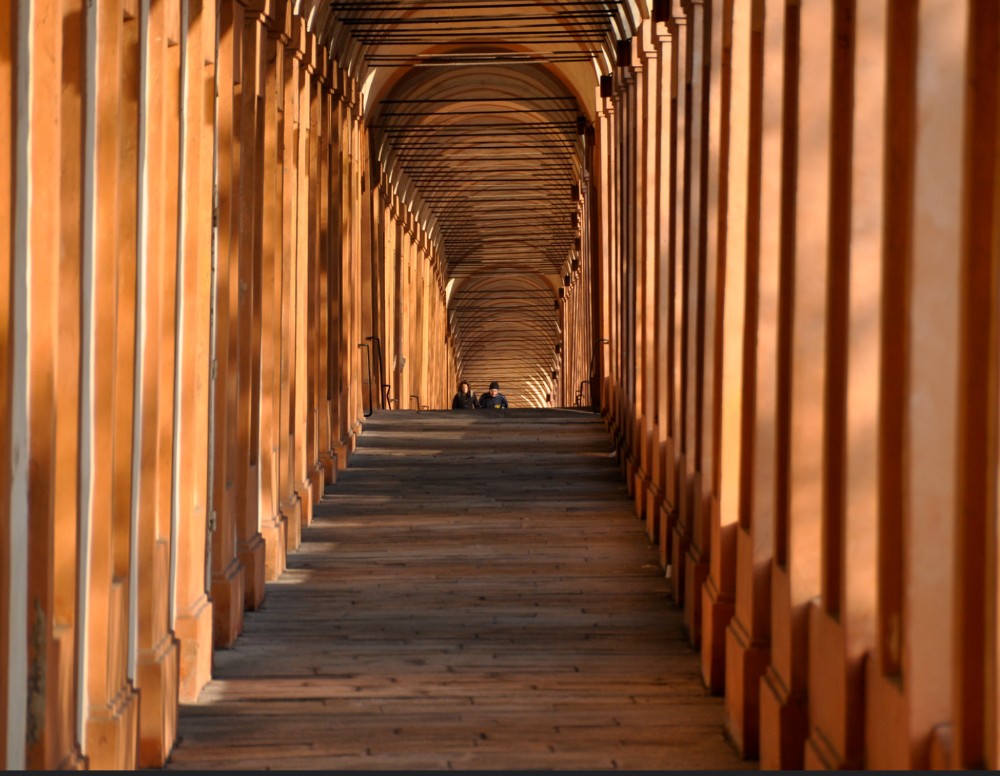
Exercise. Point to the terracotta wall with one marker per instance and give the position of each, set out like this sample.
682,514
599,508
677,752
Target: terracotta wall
811,428
188,265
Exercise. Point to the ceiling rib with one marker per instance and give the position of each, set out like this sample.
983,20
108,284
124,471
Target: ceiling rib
482,110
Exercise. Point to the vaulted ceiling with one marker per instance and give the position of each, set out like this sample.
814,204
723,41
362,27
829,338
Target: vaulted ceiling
477,110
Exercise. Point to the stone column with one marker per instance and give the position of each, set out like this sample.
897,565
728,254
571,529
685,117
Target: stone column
977,715
291,504
227,571
46,296
357,206
335,346
842,626
193,614
758,68
676,479
602,245
344,346
648,179
695,477
300,449
920,350
325,269
273,522
795,572
249,542
729,262
662,465
316,359
13,533
627,226
156,671
111,704
614,259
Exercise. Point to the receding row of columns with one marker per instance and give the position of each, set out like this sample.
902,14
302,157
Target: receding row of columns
192,252
800,257
419,361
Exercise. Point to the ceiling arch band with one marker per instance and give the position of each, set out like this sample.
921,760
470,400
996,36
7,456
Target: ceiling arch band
478,117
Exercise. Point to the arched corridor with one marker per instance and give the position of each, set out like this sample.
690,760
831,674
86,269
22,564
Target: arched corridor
759,240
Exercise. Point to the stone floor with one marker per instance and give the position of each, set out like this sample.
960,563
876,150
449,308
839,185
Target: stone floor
475,592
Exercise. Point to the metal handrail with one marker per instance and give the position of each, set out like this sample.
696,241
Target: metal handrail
368,354
381,363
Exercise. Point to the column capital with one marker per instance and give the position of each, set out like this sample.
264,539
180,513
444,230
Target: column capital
331,79
309,48
662,35
297,42
647,41
323,64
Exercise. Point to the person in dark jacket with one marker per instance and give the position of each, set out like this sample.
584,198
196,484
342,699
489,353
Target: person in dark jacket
465,399
493,399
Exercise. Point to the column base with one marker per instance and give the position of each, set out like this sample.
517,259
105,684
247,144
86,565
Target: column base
695,573
73,761
679,539
291,511
305,493
227,604
667,522
157,675
941,748
316,482
678,555
112,733
328,462
820,754
717,611
341,454
836,739
193,629
251,555
783,725
746,662
59,747
640,485
888,738
274,531
654,501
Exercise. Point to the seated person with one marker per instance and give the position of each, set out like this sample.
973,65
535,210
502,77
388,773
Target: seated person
465,399
493,399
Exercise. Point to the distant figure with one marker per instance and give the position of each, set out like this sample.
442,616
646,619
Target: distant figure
493,399
465,399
